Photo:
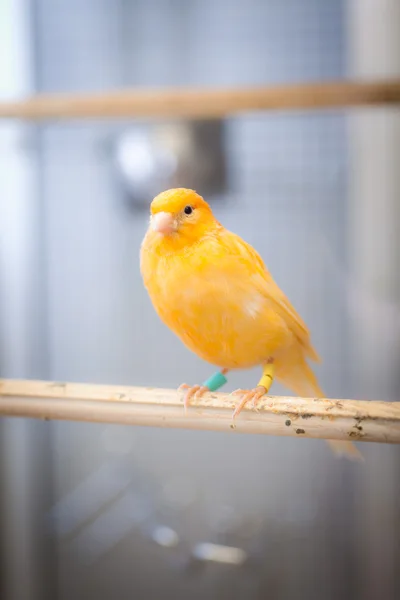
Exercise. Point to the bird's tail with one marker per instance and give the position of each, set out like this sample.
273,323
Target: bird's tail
294,372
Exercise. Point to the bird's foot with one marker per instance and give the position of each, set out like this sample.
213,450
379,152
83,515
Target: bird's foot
252,396
192,392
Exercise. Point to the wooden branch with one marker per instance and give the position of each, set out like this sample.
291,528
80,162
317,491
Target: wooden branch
298,417
203,103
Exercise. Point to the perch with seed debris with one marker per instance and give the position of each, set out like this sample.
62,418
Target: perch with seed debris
321,418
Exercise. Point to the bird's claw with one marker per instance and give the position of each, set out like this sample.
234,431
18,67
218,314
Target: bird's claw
252,396
193,392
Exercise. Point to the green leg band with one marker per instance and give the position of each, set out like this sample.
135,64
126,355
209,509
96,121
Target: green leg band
215,381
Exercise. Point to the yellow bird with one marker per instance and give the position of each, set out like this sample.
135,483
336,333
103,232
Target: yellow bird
214,292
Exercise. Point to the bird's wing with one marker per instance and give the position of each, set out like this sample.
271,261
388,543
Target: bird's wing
267,286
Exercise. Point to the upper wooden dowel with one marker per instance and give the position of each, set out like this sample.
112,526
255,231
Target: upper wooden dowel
298,417
200,103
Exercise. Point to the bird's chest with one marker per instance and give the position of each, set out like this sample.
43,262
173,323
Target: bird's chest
198,299
217,314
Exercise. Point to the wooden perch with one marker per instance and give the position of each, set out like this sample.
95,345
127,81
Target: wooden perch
296,417
200,103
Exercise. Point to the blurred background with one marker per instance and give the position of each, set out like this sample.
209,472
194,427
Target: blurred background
106,512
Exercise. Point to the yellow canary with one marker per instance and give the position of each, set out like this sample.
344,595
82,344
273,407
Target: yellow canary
213,290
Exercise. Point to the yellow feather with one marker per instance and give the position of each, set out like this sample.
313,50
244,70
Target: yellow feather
213,290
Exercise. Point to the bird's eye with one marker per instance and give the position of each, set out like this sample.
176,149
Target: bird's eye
188,210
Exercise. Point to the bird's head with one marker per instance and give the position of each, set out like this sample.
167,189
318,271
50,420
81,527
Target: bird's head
180,217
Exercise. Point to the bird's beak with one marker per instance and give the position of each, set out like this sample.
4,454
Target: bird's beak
163,222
